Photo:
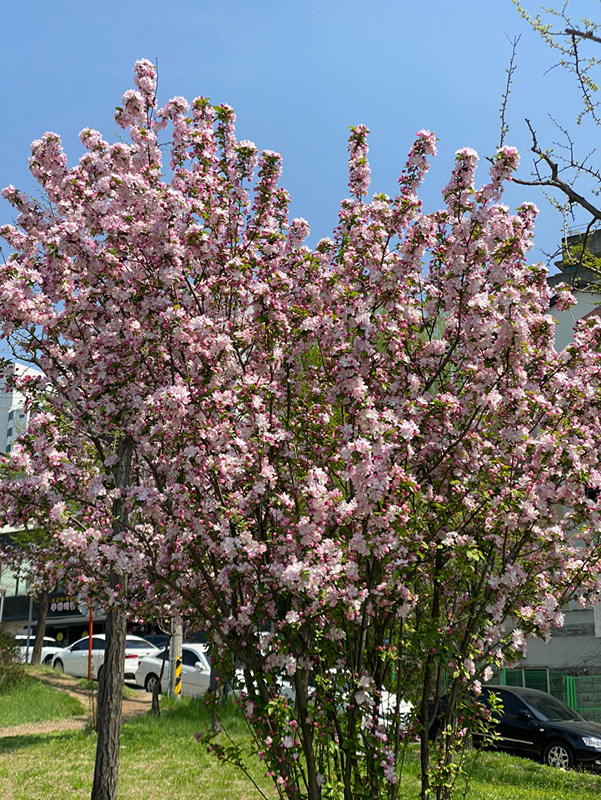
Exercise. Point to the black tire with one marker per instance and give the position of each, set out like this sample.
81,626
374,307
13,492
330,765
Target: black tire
48,661
151,681
558,755
99,676
58,664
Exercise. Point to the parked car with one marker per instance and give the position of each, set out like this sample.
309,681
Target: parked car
49,648
536,724
196,671
158,639
74,659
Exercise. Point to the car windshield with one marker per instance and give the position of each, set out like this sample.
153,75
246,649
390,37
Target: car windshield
550,708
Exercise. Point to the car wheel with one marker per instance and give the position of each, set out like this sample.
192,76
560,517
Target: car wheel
152,683
558,755
58,664
100,671
48,661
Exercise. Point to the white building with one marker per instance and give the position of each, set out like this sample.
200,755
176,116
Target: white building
586,289
13,416
577,646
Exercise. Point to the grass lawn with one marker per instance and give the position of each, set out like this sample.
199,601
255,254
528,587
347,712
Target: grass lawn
498,776
161,758
33,701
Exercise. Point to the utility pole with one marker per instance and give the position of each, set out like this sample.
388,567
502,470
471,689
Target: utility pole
175,658
29,627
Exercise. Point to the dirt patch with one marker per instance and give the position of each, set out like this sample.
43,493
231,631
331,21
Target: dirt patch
139,704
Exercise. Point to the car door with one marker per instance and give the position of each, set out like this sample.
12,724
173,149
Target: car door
75,659
98,646
195,673
162,655
516,727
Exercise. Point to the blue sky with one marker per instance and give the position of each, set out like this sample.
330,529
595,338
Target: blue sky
298,75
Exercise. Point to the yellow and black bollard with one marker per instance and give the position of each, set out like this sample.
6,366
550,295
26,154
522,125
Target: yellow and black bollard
175,658
177,684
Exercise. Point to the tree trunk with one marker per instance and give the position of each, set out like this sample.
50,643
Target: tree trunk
156,689
112,678
36,655
216,689
110,696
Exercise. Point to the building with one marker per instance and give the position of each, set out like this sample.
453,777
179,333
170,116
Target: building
13,415
574,651
64,620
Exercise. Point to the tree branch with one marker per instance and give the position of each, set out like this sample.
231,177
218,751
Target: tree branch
574,197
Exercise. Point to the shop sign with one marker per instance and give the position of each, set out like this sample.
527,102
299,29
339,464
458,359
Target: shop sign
61,603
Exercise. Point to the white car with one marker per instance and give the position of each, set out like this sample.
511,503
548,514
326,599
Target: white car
196,671
74,659
49,648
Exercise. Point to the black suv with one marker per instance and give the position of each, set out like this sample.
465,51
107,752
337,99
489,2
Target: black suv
536,724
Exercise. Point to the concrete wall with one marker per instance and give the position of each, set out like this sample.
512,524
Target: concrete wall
573,647
564,330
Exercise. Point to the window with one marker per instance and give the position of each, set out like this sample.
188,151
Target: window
189,658
83,645
136,644
8,446
9,432
511,705
550,708
97,644
11,415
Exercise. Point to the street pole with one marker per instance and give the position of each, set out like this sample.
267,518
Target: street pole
90,631
175,658
29,627
2,593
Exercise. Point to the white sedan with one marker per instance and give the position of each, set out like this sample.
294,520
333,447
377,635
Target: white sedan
196,671
49,648
74,659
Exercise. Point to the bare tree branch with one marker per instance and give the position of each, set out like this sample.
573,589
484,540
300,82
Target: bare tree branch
555,181
510,70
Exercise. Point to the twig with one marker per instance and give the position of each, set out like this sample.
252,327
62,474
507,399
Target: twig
505,97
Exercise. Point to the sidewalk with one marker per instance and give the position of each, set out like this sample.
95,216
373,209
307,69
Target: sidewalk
65,683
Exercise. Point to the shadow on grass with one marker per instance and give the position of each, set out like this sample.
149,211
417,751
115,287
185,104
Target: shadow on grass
9,744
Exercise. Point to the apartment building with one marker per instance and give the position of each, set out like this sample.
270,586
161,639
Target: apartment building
13,415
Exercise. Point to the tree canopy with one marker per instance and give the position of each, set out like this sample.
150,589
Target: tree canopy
361,468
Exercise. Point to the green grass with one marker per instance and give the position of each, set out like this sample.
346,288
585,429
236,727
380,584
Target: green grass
499,776
160,757
31,701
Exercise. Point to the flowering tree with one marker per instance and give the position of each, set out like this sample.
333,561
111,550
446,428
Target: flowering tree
351,465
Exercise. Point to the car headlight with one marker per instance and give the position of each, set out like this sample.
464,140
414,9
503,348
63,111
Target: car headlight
592,741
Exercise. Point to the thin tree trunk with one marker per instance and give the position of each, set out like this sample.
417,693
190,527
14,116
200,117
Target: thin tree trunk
110,697
216,689
36,655
156,689
112,678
